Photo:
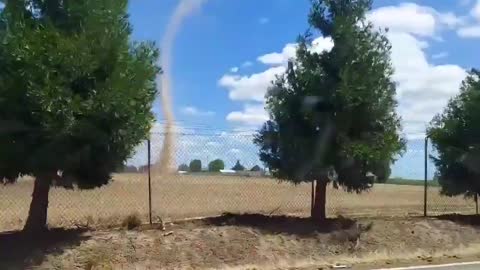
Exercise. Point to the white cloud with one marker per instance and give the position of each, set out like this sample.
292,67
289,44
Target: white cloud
264,20
469,32
408,17
289,51
235,151
476,11
247,64
423,88
450,19
252,115
414,19
321,44
234,69
253,87
472,30
193,111
440,55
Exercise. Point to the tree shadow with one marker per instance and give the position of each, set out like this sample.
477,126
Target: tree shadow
284,224
19,250
472,220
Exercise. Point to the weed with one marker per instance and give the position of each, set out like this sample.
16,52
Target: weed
132,221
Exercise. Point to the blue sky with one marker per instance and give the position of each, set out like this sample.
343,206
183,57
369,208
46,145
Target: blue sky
228,51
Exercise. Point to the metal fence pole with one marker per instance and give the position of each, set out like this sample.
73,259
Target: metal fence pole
426,176
149,182
313,198
476,203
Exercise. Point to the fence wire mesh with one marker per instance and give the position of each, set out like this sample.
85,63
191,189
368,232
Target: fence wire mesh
196,192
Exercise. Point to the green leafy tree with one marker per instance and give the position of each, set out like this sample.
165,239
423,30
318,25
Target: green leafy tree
195,165
75,94
333,113
455,135
183,168
238,166
256,168
382,171
216,165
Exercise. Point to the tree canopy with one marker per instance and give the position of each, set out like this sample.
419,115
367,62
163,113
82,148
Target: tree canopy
183,167
238,166
256,168
216,165
382,171
195,165
75,93
328,121
455,135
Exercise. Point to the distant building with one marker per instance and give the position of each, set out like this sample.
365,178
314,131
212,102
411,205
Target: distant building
227,171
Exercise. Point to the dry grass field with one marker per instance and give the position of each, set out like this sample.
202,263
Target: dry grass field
186,196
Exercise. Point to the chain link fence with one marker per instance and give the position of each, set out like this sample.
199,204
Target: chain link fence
198,191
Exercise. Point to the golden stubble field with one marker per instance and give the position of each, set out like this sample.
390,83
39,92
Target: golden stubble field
187,196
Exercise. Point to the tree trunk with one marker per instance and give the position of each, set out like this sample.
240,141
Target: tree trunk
319,206
37,215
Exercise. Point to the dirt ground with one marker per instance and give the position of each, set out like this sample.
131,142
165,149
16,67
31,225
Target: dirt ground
248,242
184,196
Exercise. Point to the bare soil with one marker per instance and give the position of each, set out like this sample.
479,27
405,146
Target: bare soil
185,196
247,242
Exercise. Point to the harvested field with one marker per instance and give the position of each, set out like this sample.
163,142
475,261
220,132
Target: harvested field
185,196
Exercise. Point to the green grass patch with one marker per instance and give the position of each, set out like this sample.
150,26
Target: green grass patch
411,182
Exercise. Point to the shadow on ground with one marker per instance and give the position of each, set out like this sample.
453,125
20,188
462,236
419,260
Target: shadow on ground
284,224
472,220
19,250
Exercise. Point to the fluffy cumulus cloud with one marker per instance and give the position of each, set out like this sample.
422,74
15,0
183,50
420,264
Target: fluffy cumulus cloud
472,30
252,115
247,64
476,11
423,87
281,58
414,19
252,88
249,87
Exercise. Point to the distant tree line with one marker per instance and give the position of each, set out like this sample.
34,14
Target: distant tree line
194,166
214,166
132,169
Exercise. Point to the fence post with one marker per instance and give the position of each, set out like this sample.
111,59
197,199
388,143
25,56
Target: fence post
313,198
476,203
149,182
426,178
